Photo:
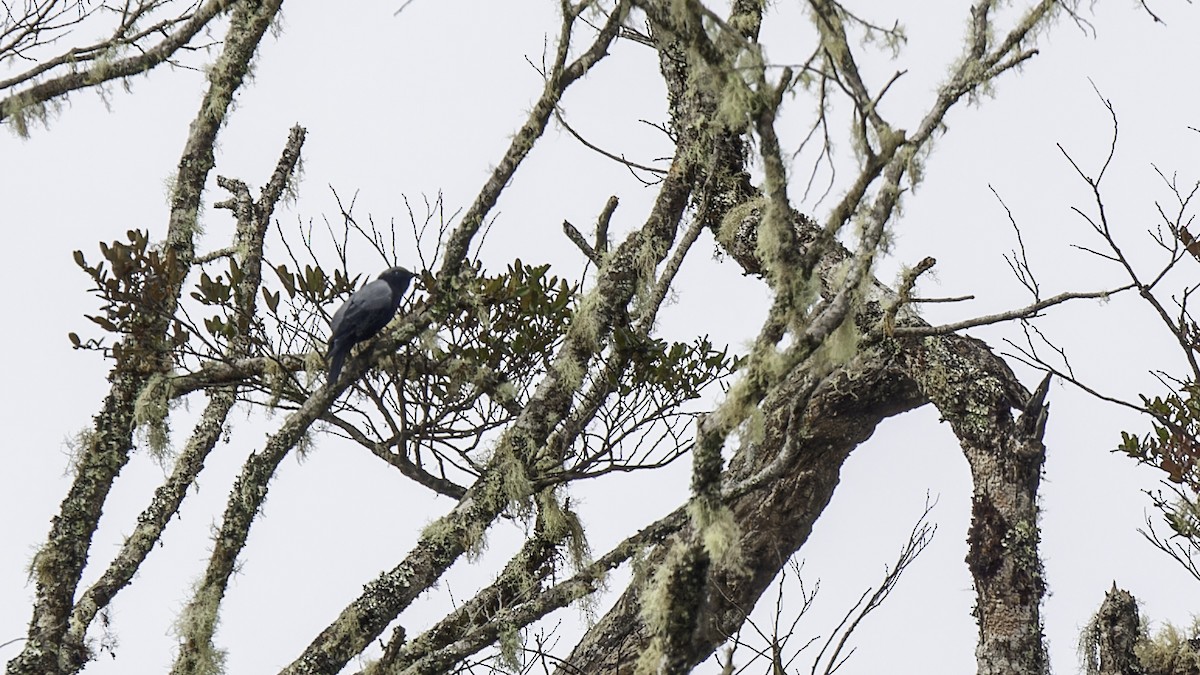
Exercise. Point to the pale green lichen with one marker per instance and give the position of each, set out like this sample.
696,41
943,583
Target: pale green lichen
276,376
291,187
186,225
838,348
35,563
1170,650
350,623
1021,542
102,65
195,628
774,235
444,532
749,18
78,444
22,112
151,414
737,102
511,645
585,328
505,393
657,605
915,168
314,361
891,39
731,223
515,485
669,604
305,445
646,259
718,531
561,523
754,428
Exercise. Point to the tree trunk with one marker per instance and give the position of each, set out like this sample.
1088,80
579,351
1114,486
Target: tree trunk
813,422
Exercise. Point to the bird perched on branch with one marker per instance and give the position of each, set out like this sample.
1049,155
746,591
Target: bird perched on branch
367,311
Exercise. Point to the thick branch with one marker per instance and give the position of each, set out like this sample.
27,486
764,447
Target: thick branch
522,449
60,562
15,105
801,462
825,420
253,223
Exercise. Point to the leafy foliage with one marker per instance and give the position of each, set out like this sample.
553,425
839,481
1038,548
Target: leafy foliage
679,368
1171,444
494,342
133,283
509,323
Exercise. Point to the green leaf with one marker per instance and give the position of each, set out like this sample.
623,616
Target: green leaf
286,278
272,300
102,322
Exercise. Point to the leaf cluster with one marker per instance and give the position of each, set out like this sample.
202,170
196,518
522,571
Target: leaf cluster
682,369
1171,444
134,282
313,285
509,323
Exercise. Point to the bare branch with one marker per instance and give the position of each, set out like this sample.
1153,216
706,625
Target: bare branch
561,76
619,159
179,32
577,238
1026,312
919,538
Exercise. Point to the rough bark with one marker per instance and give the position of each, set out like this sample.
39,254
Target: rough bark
813,422
813,426
779,481
816,423
1108,642
59,564
1116,642
976,392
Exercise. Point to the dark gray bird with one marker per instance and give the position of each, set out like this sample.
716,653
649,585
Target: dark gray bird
367,311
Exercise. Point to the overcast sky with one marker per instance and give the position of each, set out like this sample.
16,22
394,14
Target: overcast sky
423,103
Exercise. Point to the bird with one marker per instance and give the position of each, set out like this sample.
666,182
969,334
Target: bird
368,310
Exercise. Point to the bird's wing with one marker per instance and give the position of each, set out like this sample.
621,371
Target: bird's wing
335,325
367,311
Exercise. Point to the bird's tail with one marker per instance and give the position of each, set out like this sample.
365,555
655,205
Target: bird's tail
337,355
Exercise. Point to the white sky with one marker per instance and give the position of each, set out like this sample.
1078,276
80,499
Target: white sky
424,102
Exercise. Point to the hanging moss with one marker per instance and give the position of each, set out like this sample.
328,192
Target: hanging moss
510,643
563,524
515,485
1170,650
670,603
718,531
151,414
22,111
195,627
